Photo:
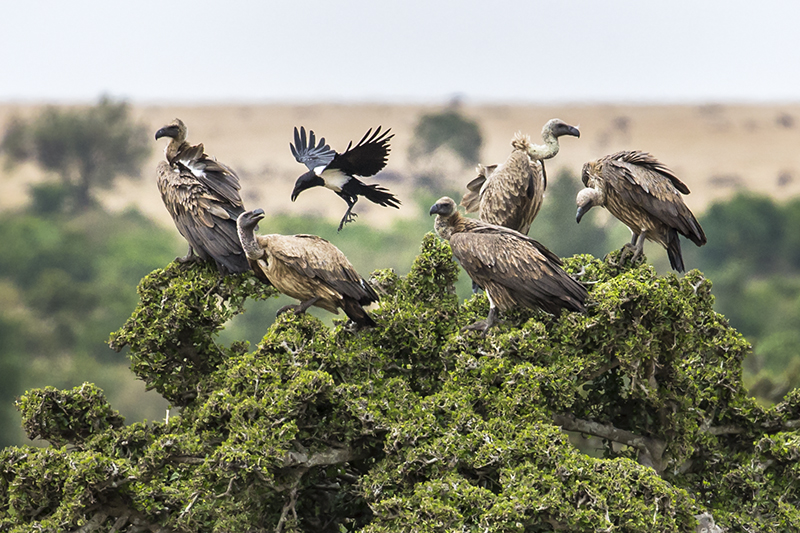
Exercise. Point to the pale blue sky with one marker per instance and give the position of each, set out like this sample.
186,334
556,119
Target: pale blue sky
200,51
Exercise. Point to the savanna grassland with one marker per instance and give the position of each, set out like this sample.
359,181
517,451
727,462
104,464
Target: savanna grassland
714,149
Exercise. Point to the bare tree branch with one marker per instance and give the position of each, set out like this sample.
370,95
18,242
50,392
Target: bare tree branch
94,524
651,450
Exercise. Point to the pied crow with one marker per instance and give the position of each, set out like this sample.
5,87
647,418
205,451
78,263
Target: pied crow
338,171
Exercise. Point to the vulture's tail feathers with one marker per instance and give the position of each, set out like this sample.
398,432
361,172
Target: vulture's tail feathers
356,313
674,251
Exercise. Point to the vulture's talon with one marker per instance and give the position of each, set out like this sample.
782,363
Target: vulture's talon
481,325
286,308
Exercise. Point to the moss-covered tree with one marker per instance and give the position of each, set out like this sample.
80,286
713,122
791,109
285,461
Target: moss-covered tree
415,426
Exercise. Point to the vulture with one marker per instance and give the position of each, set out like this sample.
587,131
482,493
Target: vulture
337,172
645,196
514,269
511,194
202,195
308,268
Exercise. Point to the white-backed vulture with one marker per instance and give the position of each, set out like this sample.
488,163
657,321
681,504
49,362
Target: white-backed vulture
645,196
511,194
308,268
338,171
202,195
514,269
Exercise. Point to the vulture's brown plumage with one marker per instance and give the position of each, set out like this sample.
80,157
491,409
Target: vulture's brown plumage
514,269
646,196
308,268
202,195
510,194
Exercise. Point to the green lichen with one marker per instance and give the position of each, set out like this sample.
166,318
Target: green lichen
415,425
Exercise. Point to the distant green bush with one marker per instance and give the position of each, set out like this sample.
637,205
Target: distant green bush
447,129
752,255
67,282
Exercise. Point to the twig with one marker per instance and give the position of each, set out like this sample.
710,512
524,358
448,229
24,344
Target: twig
227,492
191,503
290,505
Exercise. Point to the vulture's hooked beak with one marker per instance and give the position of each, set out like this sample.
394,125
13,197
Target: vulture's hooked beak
167,131
581,211
575,132
435,209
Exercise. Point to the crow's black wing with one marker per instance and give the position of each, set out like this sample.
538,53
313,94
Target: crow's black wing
310,153
367,158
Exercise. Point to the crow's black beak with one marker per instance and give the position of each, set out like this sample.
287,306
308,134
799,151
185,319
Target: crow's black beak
306,181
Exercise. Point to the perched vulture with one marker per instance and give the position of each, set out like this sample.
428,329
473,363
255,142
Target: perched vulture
308,268
202,195
337,172
646,196
511,194
514,269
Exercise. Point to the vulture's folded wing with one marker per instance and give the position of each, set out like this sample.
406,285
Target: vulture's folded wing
314,257
641,180
218,177
518,266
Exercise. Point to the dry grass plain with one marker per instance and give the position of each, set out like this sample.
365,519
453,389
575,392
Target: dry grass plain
715,149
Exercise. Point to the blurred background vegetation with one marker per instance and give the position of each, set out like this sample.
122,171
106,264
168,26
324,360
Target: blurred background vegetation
69,268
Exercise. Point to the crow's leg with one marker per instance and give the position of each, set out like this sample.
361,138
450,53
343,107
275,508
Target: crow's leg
348,215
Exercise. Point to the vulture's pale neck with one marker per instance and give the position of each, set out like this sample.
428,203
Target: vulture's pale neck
247,236
548,149
591,197
444,226
173,148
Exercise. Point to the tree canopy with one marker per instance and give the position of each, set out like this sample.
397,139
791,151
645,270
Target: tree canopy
414,425
89,148
450,129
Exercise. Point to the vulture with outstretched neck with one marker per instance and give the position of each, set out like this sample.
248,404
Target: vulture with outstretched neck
337,171
202,195
308,268
644,195
510,194
514,269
